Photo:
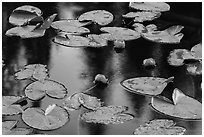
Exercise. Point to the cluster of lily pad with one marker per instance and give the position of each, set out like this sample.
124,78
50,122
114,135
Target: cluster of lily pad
70,33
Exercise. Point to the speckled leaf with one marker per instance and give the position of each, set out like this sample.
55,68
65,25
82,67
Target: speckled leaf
90,102
8,129
142,16
35,71
97,41
63,24
119,33
146,85
107,115
37,89
36,118
100,17
186,107
159,127
170,35
177,57
72,102
195,68
150,6
22,15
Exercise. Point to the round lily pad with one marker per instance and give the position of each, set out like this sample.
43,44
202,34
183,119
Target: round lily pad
170,35
90,102
185,107
159,127
107,115
35,71
195,68
119,33
22,15
8,129
197,51
146,85
38,89
72,102
150,6
100,17
142,16
177,57
55,118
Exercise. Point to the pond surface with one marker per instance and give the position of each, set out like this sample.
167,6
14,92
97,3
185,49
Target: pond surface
76,67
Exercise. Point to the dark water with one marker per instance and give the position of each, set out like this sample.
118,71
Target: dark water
77,67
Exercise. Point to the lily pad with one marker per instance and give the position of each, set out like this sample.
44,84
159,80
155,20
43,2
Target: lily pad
31,31
146,85
55,118
22,15
63,24
33,71
142,16
74,29
107,115
170,35
72,102
100,17
150,6
183,106
177,57
38,89
90,102
8,106
8,129
195,68
160,127
97,41
197,51
119,33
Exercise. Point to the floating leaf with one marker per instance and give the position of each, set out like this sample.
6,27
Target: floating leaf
74,29
149,62
159,127
195,68
150,6
38,89
72,102
100,17
36,118
63,24
186,107
197,51
170,35
107,115
97,41
142,16
8,129
177,57
119,33
22,15
101,79
146,85
140,28
90,102
36,71
8,106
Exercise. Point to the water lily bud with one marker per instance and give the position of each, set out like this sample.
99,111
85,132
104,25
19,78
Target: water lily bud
149,62
119,44
101,78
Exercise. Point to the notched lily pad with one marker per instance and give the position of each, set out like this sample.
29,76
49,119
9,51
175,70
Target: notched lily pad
100,17
72,102
159,127
8,129
38,89
146,85
8,106
150,6
183,106
119,33
170,35
55,117
22,15
142,16
108,115
33,71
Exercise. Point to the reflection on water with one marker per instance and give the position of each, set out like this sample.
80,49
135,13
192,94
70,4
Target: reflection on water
76,69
